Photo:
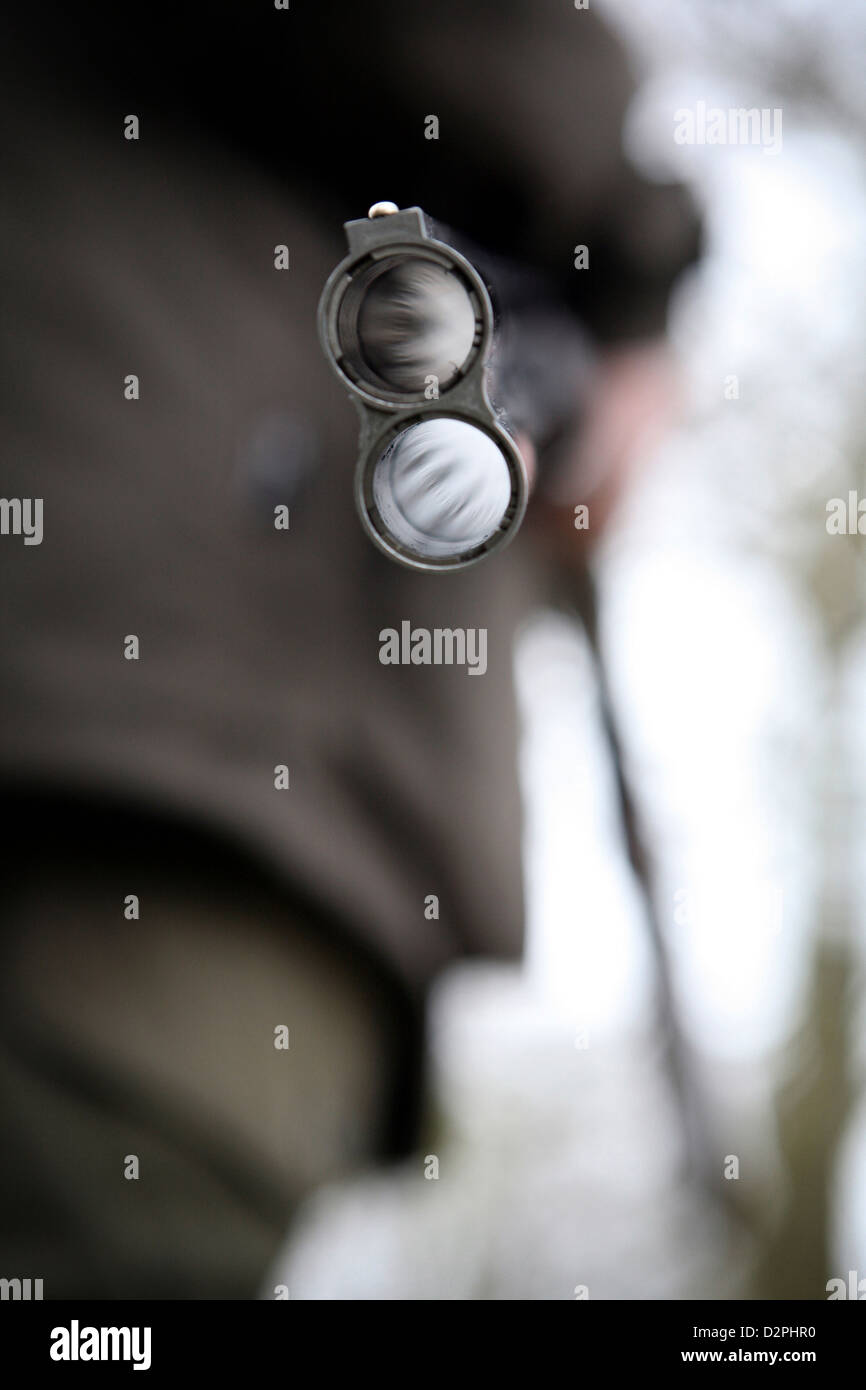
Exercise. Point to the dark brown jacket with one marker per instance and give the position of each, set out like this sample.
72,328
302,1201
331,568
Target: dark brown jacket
259,647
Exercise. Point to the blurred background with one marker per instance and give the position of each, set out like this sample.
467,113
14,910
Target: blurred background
573,1160
664,1096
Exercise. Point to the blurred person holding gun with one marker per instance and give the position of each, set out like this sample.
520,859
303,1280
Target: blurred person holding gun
239,846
